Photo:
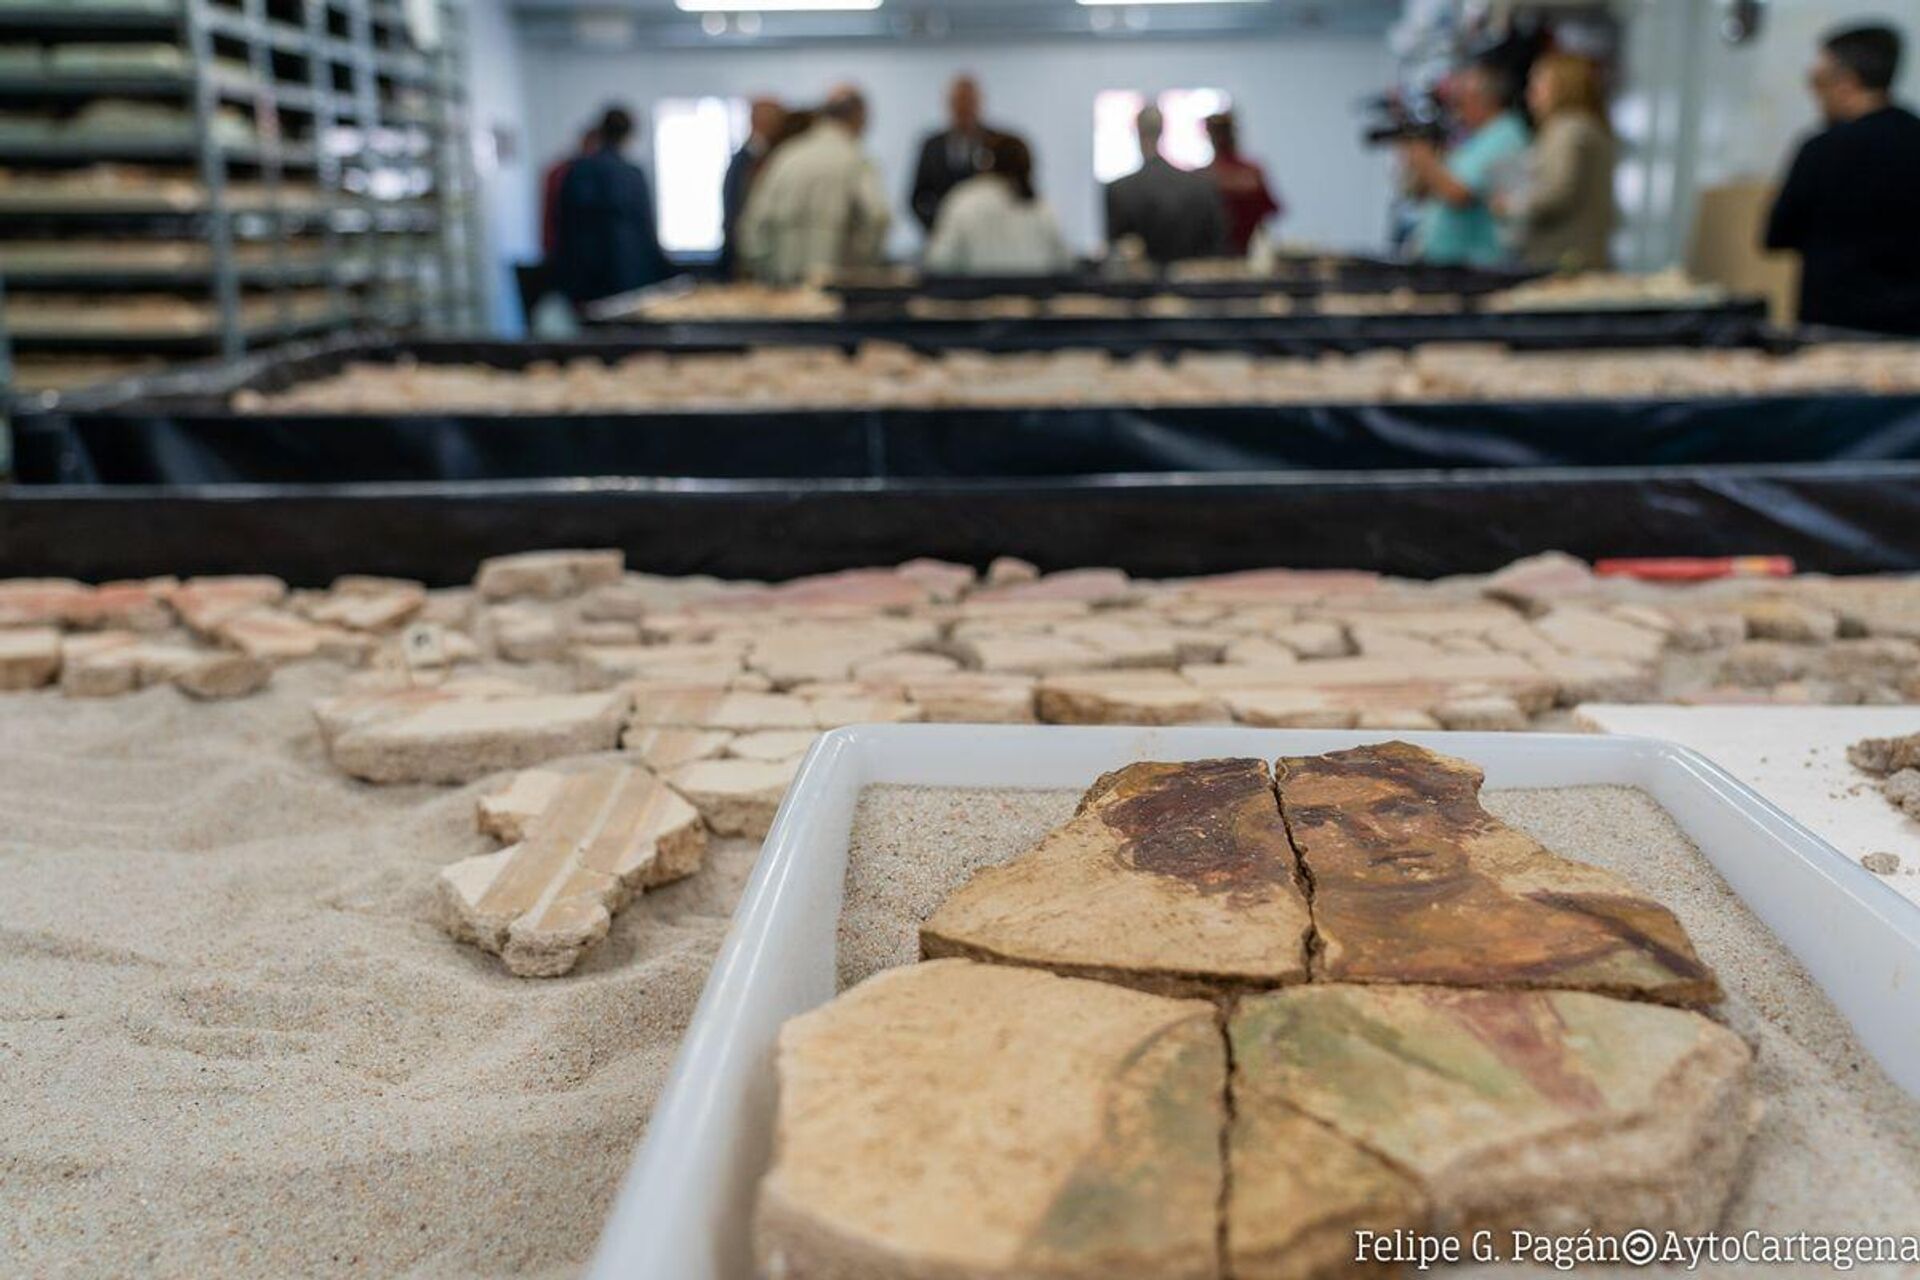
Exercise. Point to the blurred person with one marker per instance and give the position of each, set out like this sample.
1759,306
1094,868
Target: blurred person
609,243
1850,204
1174,214
1564,212
794,122
550,182
1456,224
951,156
1245,197
765,120
994,224
817,207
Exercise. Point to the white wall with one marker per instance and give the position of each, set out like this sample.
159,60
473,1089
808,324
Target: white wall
508,185
1295,98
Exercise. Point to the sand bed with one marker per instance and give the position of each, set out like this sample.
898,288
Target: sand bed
233,1042
1838,1150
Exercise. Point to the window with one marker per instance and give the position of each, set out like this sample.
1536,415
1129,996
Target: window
1116,147
693,140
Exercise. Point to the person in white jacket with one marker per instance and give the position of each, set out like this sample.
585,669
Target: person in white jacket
817,207
993,224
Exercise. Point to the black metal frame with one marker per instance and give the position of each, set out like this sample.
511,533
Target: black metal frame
1834,518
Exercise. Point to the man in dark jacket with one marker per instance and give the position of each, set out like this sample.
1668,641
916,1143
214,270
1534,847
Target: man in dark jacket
763,126
608,241
1173,213
1851,201
958,152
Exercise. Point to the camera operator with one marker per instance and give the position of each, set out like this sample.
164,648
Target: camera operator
1457,224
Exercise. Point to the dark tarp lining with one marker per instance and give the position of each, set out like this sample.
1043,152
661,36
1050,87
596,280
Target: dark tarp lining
1723,325
187,449
1836,518
1295,278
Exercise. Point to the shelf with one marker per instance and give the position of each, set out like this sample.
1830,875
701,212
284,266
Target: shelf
94,84
409,67
144,84
50,22
315,271
166,209
157,150
69,150
275,35
156,219
181,340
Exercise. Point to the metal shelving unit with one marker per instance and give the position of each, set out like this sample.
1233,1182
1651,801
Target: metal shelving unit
304,167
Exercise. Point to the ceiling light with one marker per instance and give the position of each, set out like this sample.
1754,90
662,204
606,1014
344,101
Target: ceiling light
771,6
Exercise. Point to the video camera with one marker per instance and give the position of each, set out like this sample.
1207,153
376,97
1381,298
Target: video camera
1391,120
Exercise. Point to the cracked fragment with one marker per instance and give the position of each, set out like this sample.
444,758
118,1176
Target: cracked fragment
594,840
1415,882
435,735
358,602
1490,713
771,746
37,602
204,603
29,657
101,664
979,1122
1298,1190
526,633
736,797
547,575
1125,697
1439,674
272,635
1174,878
664,750
967,697
210,676
1538,1110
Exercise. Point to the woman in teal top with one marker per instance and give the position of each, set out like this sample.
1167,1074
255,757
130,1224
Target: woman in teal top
1457,225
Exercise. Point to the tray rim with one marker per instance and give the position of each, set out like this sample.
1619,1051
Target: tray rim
664,1223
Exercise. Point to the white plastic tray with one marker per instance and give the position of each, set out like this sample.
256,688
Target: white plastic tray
684,1211
1797,758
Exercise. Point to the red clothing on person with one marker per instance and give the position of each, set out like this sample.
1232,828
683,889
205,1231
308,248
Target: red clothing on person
1244,196
550,185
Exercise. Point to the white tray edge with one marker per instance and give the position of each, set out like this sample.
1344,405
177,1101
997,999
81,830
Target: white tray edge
682,1210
